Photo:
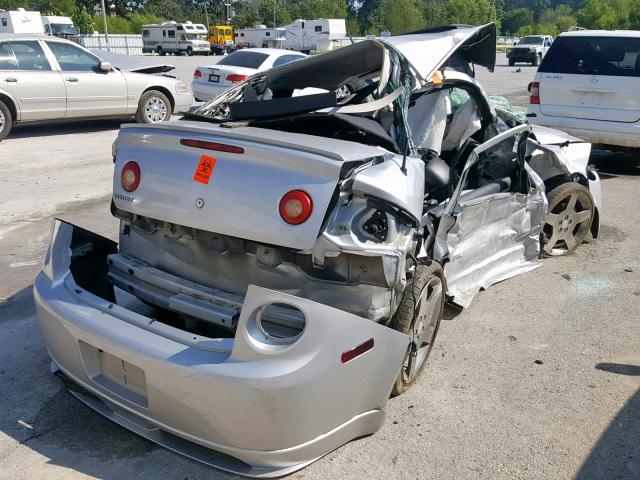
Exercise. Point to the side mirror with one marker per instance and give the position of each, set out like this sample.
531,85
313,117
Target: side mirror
105,66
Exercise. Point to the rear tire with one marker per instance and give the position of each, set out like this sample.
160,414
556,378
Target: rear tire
511,63
6,120
153,107
161,52
569,218
418,316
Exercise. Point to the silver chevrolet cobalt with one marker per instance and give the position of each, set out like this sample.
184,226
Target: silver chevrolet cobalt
285,252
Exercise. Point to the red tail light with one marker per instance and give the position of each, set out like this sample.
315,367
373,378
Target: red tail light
356,351
219,147
130,176
295,207
197,73
534,96
235,78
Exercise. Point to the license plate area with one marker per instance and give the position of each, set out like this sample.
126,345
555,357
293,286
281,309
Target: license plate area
114,374
214,78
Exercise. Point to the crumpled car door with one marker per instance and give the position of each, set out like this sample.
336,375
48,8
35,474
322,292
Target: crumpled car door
484,238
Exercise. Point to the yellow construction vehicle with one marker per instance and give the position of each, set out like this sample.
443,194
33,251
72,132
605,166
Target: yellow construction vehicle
221,39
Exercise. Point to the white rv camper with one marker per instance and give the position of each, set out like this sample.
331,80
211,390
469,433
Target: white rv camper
260,37
177,38
320,35
59,26
20,21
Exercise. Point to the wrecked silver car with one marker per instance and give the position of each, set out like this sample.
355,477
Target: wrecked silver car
286,251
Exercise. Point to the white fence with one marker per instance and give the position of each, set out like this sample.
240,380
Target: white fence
126,44
132,44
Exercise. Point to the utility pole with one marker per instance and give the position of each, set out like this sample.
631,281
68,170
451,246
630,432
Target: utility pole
227,4
274,14
106,30
206,16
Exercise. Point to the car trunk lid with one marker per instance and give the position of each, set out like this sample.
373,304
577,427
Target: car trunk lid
239,194
217,75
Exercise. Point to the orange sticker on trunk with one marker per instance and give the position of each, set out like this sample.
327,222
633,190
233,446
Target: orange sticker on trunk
204,170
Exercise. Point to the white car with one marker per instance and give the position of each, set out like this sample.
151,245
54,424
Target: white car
588,85
46,78
211,81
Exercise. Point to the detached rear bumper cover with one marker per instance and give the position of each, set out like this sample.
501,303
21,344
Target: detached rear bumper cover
264,409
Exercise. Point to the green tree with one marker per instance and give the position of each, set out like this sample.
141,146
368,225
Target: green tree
619,14
400,16
249,14
137,20
54,7
312,9
434,13
167,9
369,15
13,4
516,19
265,12
83,20
472,12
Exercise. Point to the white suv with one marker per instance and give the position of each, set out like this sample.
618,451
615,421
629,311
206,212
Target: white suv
588,85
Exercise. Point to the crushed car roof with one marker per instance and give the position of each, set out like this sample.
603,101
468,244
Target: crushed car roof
474,44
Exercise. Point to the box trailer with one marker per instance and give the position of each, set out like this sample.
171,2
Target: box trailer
20,21
319,35
260,37
177,38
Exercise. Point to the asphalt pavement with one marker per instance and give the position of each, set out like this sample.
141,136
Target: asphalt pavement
538,379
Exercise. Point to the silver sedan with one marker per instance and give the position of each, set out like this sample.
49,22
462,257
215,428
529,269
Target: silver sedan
47,78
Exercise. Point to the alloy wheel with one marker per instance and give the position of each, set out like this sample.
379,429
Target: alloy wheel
155,110
425,325
569,219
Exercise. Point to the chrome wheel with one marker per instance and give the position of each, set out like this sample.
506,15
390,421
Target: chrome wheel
155,109
3,120
425,325
571,212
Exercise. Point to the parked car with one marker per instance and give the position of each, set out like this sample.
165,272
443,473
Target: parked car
530,49
589,86
48,78
210,81
284,261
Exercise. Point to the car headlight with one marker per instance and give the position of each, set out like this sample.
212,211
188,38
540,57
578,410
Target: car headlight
182,87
